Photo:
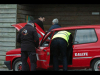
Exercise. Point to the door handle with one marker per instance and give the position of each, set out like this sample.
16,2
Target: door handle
44,50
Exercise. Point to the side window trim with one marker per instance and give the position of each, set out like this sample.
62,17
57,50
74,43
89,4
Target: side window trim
51,37
74,37
95,34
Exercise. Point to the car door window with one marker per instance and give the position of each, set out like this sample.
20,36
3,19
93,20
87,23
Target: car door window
85,36
46,40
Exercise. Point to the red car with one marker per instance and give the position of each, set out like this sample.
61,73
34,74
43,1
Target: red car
85,53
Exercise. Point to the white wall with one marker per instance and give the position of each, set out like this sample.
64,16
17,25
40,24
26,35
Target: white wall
7,32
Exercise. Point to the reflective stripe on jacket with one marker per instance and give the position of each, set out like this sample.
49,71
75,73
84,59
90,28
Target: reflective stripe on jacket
62,34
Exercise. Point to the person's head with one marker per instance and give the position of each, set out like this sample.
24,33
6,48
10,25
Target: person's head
55,21
32,23
41,18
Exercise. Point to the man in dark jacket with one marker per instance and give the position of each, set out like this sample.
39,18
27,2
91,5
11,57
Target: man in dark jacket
29,39
54,24
40,21
61,43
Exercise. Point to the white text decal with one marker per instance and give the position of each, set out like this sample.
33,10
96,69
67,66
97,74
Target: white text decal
81,54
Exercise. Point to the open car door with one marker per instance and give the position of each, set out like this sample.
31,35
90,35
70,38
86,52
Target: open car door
40,32
43,52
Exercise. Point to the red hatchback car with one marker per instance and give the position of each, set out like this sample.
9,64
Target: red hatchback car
85,53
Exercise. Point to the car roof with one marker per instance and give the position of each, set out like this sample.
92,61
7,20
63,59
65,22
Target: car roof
77,27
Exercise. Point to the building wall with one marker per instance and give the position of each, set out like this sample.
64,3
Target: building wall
7,32
22,11
68,14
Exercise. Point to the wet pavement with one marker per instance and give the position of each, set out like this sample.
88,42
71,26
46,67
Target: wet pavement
5,69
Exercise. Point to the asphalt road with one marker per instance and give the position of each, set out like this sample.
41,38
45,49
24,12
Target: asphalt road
5,69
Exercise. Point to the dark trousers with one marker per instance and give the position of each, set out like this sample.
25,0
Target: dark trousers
32,56
59,45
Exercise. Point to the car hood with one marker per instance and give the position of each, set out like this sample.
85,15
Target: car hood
38,28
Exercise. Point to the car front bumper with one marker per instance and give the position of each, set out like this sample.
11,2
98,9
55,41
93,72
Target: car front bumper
7,63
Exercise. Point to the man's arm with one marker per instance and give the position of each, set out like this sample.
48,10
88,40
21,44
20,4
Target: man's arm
18,37
70,40
36,38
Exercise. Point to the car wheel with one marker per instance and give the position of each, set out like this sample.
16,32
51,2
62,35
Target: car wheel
95,65
17,65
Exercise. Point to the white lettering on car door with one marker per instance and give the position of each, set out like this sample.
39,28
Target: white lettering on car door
81,54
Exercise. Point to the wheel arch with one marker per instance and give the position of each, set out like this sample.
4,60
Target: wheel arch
14,60
93,60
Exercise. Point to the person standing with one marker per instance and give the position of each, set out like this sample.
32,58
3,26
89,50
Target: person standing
59,44
54,24
40,21
28,38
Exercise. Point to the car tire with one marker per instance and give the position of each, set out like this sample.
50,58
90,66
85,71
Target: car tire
17,65
96,65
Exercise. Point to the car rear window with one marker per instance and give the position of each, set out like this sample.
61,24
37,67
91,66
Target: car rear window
85,36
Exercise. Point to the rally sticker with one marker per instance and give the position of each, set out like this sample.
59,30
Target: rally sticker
81,54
